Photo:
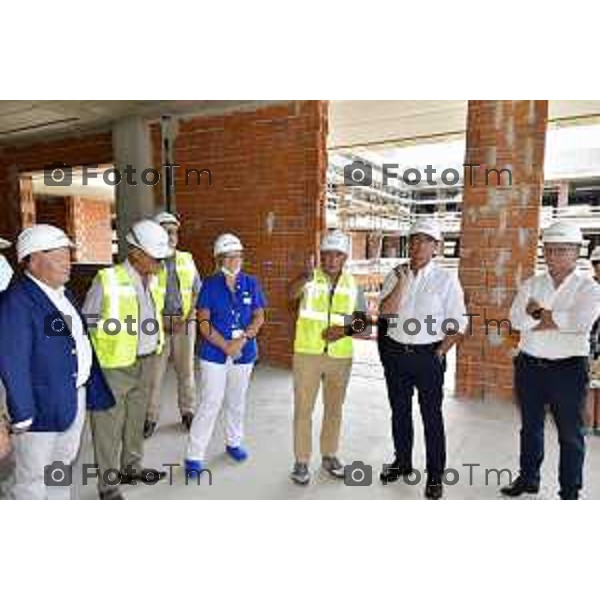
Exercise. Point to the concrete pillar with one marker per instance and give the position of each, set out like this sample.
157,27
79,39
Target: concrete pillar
132,146
500,222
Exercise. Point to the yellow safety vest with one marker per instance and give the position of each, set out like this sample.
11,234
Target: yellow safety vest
317,313
186,273
119,350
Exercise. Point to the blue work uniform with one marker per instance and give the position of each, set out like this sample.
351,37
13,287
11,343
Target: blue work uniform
230,311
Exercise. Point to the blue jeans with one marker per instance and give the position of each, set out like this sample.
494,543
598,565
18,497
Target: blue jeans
562,386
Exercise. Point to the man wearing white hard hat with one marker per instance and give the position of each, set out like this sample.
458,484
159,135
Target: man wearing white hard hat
323,348
183,286
48,366
554,313
124,306
230,311
592,412
425,310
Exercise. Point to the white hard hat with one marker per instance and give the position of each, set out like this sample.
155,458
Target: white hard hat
227,242
428,226
595,256
562,232
39,238
336,241
166,218
151,238
4,244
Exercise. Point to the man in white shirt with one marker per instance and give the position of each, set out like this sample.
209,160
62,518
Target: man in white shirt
554,313
425,313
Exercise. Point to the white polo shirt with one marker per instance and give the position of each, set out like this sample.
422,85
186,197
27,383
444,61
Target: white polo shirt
431,291
575,306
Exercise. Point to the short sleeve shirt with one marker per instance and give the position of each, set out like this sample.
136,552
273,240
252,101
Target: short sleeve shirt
230,311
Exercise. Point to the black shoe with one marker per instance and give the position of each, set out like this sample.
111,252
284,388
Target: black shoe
569,494
111,494
393,472
145,475
149,429
434,489
186,420
519,487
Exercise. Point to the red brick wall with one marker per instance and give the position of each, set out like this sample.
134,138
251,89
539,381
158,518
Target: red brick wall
499,234
91,229
268,170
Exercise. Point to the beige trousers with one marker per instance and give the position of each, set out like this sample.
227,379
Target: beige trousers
310,370
118,433
180,347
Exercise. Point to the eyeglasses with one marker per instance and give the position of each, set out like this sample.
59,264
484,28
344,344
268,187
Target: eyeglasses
560,250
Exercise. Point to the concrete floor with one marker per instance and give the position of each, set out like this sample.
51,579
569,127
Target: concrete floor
477,432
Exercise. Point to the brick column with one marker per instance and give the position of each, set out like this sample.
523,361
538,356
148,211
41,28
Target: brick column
499,236
268,181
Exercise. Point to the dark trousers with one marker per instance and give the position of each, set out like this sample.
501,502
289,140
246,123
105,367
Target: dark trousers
404,371
561,385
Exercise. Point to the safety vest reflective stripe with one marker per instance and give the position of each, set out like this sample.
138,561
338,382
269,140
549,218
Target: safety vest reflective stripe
318,310
186,273
115,346
315,315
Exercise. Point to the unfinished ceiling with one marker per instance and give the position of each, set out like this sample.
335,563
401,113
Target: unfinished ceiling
25,120
356,123
353,123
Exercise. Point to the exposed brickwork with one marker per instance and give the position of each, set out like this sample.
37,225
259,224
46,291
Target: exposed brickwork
268,186
499,234
90,226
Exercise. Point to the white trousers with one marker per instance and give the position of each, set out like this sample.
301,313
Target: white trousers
37,450
219,384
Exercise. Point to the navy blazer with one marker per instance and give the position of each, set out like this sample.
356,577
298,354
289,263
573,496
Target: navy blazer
39,371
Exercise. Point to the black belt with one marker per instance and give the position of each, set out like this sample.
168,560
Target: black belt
549,362
414,348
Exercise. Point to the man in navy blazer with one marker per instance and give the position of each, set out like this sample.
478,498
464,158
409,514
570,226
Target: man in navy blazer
48,366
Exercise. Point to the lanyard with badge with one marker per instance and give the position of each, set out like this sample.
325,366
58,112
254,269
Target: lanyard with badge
237,331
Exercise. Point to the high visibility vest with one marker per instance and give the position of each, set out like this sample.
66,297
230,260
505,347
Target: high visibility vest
119,349
318,311
186,273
